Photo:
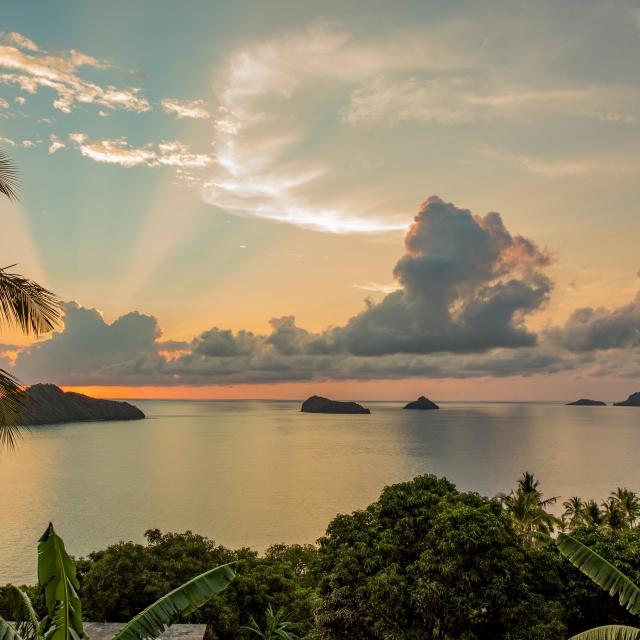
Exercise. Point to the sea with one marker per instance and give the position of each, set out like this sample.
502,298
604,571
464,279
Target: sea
256,473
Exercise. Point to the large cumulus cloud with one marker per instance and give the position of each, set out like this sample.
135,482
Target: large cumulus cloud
466,288
467,285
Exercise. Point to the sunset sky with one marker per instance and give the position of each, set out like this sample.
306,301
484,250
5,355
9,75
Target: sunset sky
241,202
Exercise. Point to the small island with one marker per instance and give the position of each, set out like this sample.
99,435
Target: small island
632,401
48,404
586,402
422,404
318,404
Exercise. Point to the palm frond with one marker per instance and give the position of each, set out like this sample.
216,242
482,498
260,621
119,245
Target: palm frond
609,632
9,177
26,619
8,631
154,620
28,305
12,399
601,571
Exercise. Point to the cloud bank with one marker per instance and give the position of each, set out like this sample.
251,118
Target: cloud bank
466,286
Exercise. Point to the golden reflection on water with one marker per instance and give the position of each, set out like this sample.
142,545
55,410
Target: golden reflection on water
257,473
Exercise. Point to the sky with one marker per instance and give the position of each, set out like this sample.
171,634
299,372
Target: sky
360,199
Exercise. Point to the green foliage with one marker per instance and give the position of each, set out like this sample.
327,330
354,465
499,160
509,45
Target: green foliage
63,620
125,578
618,513
8,631
427,561
424,561
57,575
185,599
602,572
276,627
528,510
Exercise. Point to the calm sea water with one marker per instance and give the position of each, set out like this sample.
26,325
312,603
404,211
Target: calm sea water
257,473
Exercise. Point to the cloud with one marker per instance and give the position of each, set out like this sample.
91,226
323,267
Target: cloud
466,283
31,68
55,144
87,344
26,144
195,109
589,329
619,165
462,98
270,96
119,151
20,41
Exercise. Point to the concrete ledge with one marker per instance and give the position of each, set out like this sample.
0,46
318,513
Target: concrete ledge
106,631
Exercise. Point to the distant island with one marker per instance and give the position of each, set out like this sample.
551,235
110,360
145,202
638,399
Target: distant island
48,404
318,404
585,402
422,404
632,401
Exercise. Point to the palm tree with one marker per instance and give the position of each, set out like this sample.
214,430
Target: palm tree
527,509
593,515
615,518
9,177
606,576
629,503
277,627
25,305
57,578
573,512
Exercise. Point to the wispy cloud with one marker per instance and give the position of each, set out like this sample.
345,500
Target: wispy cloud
194,109
119,151
377,287
26,144
620,165
31,68
456,99
265,116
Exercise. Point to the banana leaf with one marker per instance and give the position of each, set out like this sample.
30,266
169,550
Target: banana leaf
601,571
57,576
609,632
154,620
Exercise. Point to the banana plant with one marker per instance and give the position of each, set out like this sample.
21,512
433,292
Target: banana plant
609,578
277,627
57,577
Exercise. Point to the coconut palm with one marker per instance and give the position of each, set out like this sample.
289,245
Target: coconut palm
57,578
527,509
629,503
23,304
573,515
276,627
9,177
606,576
593,515
615,519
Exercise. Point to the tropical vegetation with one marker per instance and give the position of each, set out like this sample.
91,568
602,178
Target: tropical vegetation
23,304
424,561
58,582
